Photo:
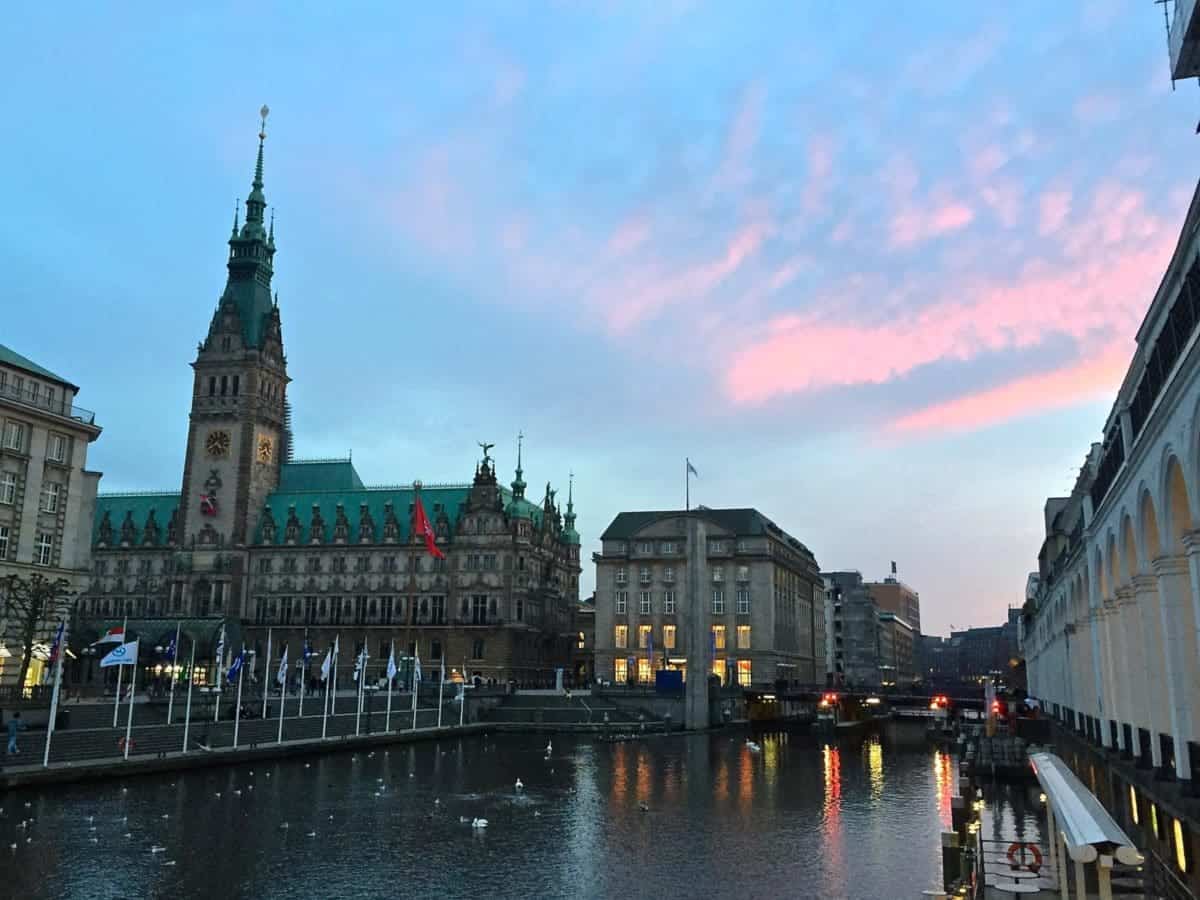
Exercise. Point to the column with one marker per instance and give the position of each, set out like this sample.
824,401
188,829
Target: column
1145,590
697,617
1191,543
1098,629
1174,592
1126,674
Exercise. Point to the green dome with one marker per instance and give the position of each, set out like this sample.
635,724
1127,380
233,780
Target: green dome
520,508
570,536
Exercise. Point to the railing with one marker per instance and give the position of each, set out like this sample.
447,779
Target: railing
40,400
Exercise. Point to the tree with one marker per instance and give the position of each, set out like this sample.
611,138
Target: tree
27,603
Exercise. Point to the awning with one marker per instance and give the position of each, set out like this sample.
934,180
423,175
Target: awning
1086,826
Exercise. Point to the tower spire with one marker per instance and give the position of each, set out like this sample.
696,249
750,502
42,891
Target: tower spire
256,203
236,204
518,486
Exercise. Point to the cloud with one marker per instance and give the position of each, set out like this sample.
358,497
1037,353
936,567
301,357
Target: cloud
912,225
820,170
1054,208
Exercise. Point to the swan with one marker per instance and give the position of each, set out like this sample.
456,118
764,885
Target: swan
284,825
520,785
312,834
157,849
479,823
549,747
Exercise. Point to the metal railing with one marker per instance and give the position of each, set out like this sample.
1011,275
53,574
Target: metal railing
42,401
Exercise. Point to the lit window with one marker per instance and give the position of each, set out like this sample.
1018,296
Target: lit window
644,675
42,549
3,542
622,600
8,487
644,603
669,574
718,637
669,602
49,499
644,637
621,636
718,669
669,637
743,602
56,450
580,642
718,602
621,575
14,436
1154,821
745,672
1181,857
620,671
743,637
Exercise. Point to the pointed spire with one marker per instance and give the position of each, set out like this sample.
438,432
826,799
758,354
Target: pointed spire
236,204
271,233
518,486
570,493
256,203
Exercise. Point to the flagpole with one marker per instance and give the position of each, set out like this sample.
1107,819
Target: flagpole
333,678
266,673
387,724
463,705
54,696
120,669
362,676
687,485
302,663
237,715
441,688
129,718
325,705
282,694
415,684
220,673
174,674
187,716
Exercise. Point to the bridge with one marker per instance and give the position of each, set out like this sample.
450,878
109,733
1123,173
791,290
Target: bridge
891,697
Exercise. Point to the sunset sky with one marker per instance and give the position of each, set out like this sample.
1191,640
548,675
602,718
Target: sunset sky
878,275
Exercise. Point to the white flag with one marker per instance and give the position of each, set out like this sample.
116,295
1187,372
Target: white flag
282,676
326,664
416,668
125,655
391,666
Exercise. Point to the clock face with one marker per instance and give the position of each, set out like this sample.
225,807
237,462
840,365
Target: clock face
217,443
265,448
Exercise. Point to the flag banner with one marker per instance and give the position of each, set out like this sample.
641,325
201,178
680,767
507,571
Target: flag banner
691,469
326,664
308,650
416,668
170,651
221,646
114,635
391,666
650,646
57,645
422,526
236,668
358,663
125,655
281,676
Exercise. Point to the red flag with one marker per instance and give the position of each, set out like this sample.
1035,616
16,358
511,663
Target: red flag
422,527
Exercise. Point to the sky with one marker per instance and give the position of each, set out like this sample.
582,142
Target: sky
878,276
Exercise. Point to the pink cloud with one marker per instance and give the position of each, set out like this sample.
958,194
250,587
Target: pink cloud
820,170
911,225
1094,377
1055,206
1097,108
1003,198
988,160
629,236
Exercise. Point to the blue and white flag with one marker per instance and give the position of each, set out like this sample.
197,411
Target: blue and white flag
220,657
281,675
416,668
235,670
308,650
360,663
326,663
56,647
391,666
170,651
125,655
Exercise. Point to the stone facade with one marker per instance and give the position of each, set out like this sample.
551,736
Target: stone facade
254,541
762,598
47,495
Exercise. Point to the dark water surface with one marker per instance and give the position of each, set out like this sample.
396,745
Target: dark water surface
800,819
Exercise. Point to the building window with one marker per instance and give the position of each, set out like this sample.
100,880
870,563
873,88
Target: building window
668,547
644,575
745,672
621,575
644,638
264,566
3,542
520,612
56,450
669,603
718,669
42,549
669,574
716,546
718,637
743,546
743,602
644,603
479,606
622,599
49,398
49,498
8,487
669,637
621,636
644,674
14,436
743,637
437,610
646,547
743,573
477,648
718,573
620,671
1181,851
718,606
580,641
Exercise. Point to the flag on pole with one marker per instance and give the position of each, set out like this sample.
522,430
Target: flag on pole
56,647
416,669
691,470
326,663
221,647
236,668
125,655
308,651
391,666
170,651
422,527
114,635
281,677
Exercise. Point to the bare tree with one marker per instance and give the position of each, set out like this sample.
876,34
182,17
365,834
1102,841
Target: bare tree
27,604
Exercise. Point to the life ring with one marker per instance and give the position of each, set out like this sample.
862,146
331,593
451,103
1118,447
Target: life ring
121,744
1018,853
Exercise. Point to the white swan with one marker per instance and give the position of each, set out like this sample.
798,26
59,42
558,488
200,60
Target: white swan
549,748
479,823
520,785
157,849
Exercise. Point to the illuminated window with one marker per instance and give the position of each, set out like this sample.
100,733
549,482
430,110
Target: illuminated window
1181,857
743,637
745,672
718,669
580,641
1154,821
669,637
620,671
643,672
621,636
644,636
718,574
718,637
1133,806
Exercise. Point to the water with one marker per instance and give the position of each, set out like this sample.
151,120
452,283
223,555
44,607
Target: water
801,818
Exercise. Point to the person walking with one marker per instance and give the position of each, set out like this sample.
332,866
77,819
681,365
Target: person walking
15,725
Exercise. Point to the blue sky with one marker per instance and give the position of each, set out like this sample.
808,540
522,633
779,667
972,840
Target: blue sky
878,275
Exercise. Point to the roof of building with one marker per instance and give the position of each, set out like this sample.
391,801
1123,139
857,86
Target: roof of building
746,521
140,504
318,475
10,357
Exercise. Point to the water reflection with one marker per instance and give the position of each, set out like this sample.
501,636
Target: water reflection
943,774
719,819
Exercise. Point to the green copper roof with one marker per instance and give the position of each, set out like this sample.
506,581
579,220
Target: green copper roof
251,262
520,508
570,536
318,475
140,504
448,498
10,357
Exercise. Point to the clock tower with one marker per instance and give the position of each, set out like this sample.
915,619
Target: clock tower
237,418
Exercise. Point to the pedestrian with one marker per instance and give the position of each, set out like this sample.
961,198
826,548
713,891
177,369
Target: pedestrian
14,725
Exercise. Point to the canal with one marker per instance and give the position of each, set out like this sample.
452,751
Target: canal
800,818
